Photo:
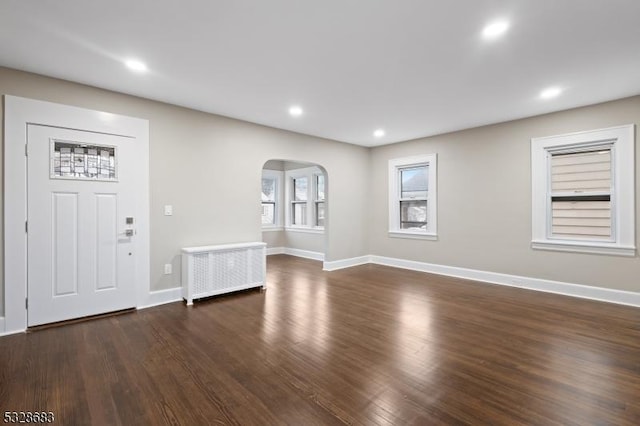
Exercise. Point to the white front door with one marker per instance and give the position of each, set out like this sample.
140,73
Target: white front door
81,223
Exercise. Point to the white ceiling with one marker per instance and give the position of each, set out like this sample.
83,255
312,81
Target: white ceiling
413,67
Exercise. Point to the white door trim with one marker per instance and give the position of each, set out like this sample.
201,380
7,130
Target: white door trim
18,113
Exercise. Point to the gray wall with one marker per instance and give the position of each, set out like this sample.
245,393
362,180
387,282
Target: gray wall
484,200
209,168
274,165
304,241
274,239
484,206
295,240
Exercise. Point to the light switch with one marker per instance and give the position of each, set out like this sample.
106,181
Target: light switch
168,210
168,269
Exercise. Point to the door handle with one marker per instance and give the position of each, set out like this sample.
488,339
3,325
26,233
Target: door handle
128,233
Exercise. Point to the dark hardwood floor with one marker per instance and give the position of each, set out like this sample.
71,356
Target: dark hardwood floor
369,345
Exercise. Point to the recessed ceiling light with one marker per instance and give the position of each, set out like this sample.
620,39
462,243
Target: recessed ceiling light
378,133
296,111
136,65
495,29
550,92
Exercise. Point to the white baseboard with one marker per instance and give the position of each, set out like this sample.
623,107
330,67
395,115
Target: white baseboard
155,298
4,332
620,297
346,263
304,253
314,255
162,297
7,333
275,250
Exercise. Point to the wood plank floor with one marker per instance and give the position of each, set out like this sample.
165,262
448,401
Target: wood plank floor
369,345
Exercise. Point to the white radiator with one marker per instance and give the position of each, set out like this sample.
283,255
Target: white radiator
211,270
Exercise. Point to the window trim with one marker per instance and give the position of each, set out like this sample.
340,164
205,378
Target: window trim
395,165
622,141
277,175
310,173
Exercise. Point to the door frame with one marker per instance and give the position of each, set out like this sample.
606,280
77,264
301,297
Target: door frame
18,113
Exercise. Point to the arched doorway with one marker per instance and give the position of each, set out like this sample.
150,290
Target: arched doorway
294,208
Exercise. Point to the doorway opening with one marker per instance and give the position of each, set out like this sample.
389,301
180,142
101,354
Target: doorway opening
295,197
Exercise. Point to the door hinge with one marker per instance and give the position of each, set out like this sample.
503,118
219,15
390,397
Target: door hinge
26,150
26,226
26,303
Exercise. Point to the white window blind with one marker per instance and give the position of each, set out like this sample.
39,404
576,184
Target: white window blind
581,186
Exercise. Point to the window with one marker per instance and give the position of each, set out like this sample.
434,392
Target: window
271,199
299,202
583,192
412,197
75,160
306,197
319,192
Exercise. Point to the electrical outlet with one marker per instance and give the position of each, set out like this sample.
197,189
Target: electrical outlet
168,269
168,210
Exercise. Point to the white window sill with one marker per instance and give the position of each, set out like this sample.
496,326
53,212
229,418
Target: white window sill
272,228
579,247
414,235
304,230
